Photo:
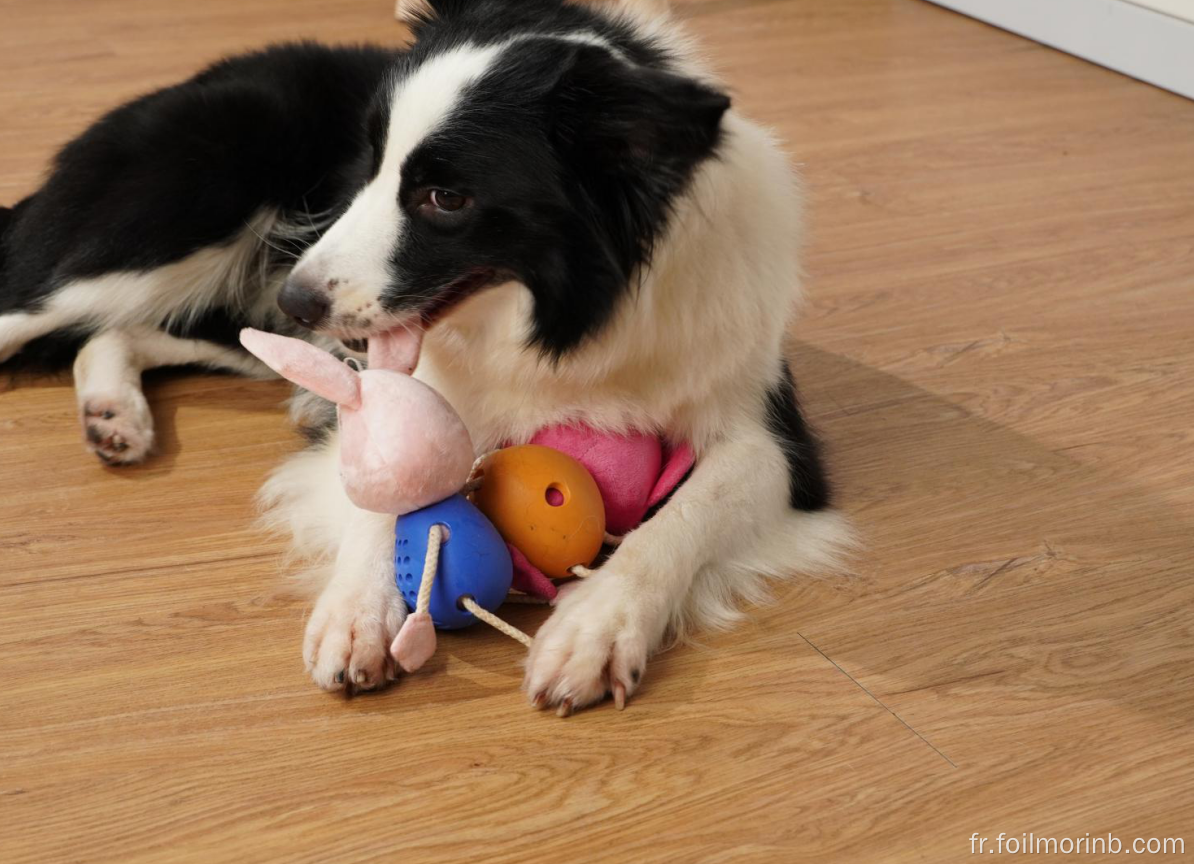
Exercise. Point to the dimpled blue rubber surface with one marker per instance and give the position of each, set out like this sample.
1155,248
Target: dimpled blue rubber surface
474,560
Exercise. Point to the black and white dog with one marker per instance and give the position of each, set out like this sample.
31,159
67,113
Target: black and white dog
560,196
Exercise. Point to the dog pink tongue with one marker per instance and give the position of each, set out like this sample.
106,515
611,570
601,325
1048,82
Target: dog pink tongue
397,350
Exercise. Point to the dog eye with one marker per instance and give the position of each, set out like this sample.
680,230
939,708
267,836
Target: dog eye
448,202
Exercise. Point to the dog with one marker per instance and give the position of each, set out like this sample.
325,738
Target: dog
560,198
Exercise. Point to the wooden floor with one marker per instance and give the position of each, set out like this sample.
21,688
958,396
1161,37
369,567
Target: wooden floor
999,347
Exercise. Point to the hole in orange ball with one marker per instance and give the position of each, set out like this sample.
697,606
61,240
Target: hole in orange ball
554,496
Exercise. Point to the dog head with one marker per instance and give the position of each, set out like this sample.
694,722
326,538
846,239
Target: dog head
552,160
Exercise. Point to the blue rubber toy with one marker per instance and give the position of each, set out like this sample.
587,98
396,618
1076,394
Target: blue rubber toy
473,560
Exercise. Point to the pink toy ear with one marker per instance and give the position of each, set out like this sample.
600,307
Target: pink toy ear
305,365
677,461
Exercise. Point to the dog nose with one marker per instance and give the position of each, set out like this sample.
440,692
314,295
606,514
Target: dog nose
303,303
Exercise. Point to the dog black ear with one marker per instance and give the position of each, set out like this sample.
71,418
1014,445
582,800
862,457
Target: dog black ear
634,117
420,13
630,138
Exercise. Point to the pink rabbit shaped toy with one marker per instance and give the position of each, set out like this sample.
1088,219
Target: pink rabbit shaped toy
405,451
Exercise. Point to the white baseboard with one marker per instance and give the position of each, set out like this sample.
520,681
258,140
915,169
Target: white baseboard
1138,41
1183,9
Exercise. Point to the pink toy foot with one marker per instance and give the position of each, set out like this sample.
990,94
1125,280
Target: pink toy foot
528,578
415,642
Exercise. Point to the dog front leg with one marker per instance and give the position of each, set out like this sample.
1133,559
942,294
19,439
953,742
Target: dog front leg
360,610
604,628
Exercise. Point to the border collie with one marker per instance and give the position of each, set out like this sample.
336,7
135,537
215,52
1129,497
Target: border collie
558,196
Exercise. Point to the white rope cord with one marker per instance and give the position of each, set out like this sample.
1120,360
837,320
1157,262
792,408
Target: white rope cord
435,539
474,475
493,621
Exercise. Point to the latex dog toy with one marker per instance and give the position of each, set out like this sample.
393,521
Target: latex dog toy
405,451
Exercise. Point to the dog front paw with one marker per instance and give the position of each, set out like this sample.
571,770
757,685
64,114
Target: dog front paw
348,637
595,645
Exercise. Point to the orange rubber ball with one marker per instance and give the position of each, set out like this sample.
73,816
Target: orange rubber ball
545,503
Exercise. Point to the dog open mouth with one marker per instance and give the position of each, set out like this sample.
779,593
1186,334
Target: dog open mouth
398,348
454,293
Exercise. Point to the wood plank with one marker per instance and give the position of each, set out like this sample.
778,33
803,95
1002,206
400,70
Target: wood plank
998,347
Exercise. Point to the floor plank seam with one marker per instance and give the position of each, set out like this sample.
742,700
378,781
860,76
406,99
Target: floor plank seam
878,701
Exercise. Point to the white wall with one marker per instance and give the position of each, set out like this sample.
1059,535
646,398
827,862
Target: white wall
1131,37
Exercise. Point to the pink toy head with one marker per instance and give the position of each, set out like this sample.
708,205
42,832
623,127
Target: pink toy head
402,446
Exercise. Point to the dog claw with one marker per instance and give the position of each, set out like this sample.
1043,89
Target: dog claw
619,695
565,709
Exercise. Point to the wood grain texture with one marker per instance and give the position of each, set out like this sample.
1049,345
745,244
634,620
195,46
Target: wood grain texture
999,348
